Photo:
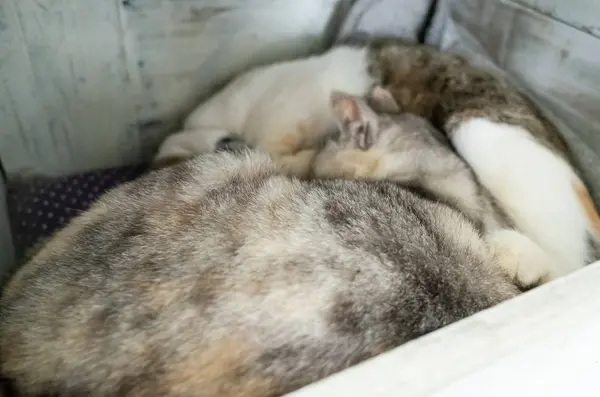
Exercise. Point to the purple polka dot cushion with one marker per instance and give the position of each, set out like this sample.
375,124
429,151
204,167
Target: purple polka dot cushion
40,207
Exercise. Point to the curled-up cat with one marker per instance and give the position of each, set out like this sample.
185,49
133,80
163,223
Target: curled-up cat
219,276
281,108
404,148
516,153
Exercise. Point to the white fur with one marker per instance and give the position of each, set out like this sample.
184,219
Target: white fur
533,184
522,259
267,103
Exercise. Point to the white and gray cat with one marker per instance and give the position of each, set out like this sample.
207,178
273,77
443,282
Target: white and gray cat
516,153
404,148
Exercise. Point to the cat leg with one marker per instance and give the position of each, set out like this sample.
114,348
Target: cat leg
522,259
535,187
188,143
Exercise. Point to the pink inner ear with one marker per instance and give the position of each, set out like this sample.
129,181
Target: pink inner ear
353,110
345,106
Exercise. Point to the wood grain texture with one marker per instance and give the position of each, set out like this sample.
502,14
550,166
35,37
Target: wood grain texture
580,14
91,84
543,343
69,61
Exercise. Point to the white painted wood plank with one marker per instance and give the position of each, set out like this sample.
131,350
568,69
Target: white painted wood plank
555,58
582,14
75,52
543,343
99,83
24,132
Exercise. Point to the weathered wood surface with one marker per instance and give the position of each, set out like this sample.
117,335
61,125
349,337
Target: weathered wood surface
86,84
580,14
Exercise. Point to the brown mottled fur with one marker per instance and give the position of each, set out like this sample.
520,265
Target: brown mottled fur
446,89
221,277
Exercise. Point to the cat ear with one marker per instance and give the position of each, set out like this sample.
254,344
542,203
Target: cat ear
357,122
345,107
383,100
349,109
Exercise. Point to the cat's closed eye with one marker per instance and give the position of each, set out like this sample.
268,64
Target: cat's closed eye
363,135
334,136
360,129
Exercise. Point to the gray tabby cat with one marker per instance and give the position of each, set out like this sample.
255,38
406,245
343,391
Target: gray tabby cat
220,276
405,148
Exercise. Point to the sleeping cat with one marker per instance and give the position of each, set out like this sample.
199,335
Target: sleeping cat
404,148
220,276
515,152
281,108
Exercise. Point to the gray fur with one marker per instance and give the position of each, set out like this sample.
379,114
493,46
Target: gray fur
220,277
407,149
446,89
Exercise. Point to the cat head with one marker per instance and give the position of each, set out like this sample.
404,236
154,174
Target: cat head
361,123
361,120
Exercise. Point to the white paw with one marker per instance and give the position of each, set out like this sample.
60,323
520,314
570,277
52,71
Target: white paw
188,143
523,260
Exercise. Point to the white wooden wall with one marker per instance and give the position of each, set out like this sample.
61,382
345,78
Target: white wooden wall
94,83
